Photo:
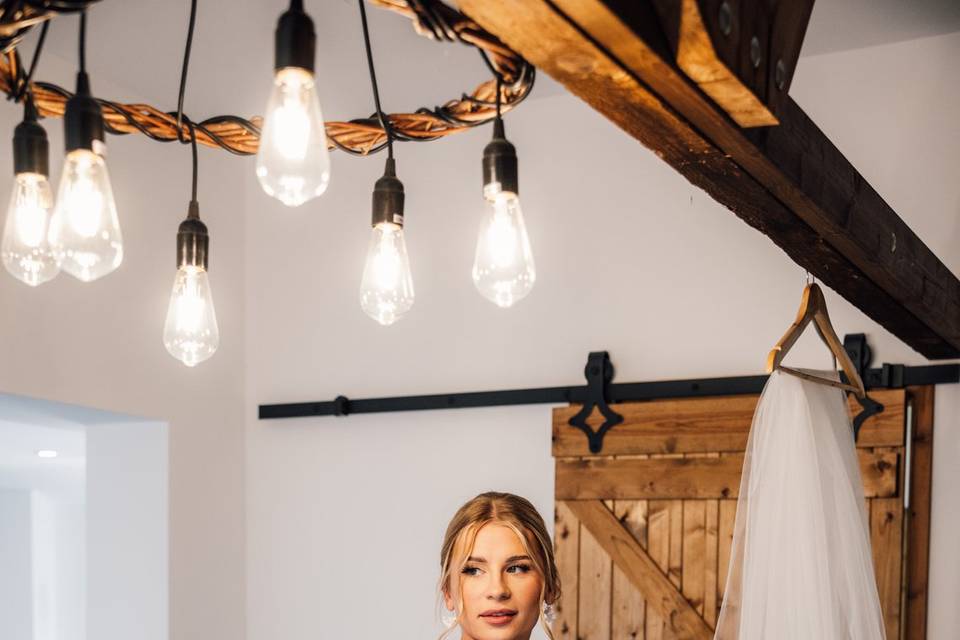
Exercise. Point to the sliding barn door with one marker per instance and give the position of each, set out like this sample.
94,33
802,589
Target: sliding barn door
643,530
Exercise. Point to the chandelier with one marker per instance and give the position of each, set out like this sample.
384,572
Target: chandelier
79,233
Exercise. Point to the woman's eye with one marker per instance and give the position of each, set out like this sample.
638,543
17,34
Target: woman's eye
519,568
470,571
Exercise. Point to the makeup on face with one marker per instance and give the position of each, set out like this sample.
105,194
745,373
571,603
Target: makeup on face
500,587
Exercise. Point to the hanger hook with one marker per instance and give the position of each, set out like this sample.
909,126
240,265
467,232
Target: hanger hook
810,278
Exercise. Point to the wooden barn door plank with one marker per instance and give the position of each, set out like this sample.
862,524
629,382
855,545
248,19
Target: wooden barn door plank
694,548
596,580
728,513
690,478
711,570
886,527
567,554
628,606
658,545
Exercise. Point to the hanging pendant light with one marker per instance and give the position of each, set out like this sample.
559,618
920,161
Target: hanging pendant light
503,268
85,230
293,163
386,289
190,333
26,250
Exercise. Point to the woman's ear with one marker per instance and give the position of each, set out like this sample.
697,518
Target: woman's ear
448,601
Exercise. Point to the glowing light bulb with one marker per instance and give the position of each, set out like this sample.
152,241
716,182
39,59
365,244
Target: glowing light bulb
503,269
26,250
293,164
386,290
190,333
85,231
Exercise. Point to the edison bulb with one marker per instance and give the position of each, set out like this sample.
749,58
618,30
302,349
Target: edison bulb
386,291
85,231
190,333
293,164
503,269
26,249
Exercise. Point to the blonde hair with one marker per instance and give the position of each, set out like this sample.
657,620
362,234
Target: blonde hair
515,513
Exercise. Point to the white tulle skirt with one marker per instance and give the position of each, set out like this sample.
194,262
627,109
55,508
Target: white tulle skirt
800,564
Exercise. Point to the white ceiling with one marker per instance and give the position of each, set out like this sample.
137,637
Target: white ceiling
840,25
20,468
138,45
28,425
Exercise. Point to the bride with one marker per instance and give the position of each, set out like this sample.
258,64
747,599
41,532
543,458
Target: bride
498,575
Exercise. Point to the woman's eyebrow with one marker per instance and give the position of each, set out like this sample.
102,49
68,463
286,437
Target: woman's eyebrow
507,561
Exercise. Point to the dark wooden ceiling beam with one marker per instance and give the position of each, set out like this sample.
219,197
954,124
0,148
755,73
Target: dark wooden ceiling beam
788,181
741,53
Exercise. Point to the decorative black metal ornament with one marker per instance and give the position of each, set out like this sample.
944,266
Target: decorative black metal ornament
599,373
856,345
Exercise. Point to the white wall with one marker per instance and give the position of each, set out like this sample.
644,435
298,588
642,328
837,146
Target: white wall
16,578
99,345
96,522
127,531
345,516
52,594
58,564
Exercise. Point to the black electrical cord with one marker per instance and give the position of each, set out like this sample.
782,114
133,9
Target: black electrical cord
193,147
183,69
183,89
498,76
83,41
25,85
373,81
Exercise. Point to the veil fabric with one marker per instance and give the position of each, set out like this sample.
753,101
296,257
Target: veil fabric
800,563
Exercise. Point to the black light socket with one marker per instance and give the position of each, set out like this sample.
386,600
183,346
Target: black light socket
31,150
83,119
193,240
388,197
295,39
500,161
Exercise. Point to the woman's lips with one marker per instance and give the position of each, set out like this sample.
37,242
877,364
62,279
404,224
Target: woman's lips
498,617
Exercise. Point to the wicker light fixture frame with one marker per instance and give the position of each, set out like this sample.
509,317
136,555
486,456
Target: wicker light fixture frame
362,136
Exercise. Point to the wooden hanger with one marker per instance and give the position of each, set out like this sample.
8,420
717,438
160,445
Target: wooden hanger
814,307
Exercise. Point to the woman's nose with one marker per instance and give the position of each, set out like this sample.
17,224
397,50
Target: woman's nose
497,589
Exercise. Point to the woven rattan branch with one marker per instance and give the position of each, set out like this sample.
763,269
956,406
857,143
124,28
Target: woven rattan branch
430,18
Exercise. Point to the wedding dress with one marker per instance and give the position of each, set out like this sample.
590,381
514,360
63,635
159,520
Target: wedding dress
800,564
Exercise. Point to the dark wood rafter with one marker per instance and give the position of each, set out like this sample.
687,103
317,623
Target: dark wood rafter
788,181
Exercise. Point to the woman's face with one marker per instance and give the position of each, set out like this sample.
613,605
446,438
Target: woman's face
500,586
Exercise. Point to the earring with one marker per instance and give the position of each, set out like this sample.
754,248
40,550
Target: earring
549,613
449,619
